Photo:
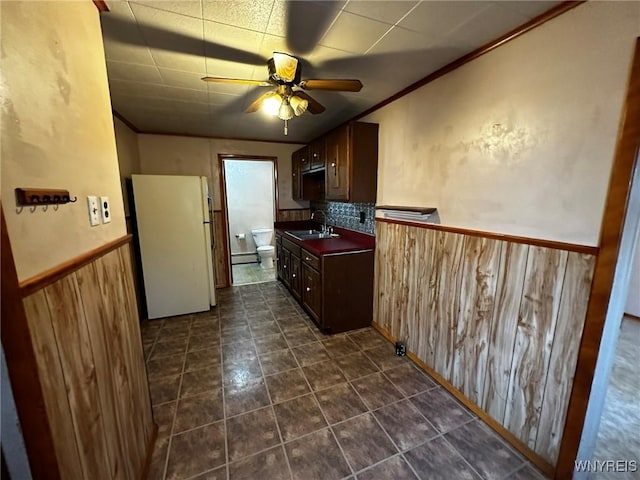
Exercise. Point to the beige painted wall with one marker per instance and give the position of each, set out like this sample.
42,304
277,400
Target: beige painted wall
521,140
57,129
128,156
175,155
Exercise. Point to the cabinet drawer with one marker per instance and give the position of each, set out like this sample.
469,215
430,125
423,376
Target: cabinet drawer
292,247
311,260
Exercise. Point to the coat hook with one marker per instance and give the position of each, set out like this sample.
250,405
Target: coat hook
74,200
33,209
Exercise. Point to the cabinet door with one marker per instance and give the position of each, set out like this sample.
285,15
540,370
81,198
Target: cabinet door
296,181
337,170
317,154
279,260
311,291
295,279
303,158
286,267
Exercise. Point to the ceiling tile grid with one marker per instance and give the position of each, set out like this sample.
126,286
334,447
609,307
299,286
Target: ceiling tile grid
158,51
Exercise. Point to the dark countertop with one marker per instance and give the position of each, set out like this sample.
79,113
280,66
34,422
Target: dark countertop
349,240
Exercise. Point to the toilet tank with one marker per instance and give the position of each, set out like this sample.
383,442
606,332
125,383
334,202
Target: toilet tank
262,236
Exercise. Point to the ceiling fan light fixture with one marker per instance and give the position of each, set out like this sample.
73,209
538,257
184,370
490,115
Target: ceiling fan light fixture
271,104
284,67
298,104
285,112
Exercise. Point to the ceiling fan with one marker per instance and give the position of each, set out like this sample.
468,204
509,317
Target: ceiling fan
288,98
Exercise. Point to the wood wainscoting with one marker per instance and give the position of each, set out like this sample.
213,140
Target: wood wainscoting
84,327
499,321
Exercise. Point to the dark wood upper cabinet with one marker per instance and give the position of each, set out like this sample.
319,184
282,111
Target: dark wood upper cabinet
296,177
352,163
303,159
317,153
341,165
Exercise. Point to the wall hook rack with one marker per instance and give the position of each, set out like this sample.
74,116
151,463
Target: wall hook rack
35,197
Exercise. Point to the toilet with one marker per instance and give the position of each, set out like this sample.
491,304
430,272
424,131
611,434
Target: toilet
266,251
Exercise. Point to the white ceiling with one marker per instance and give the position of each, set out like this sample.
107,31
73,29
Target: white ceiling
157,51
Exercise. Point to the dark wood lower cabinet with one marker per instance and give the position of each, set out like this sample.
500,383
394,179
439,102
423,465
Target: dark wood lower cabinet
312,292
335,289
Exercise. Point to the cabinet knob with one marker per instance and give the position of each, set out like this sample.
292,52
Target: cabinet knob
293,275
294,174
307,258
333,164
308,289
303,160
284,266
315,155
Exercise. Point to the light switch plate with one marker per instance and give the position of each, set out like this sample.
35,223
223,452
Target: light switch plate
105,206
94,210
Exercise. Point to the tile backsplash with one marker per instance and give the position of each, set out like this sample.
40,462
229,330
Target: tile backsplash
347,215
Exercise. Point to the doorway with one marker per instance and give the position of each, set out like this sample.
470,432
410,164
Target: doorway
250,201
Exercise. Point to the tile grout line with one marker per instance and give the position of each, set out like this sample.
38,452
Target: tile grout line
271,405
176,403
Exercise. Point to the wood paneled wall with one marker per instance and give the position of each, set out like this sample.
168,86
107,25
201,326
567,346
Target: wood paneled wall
289,214
500,321
88,347
220,250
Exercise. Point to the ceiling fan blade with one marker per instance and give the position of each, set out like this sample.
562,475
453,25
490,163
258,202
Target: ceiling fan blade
255,106
338,85
243,81
314,106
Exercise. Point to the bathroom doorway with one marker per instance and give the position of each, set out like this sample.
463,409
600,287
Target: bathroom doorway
249,202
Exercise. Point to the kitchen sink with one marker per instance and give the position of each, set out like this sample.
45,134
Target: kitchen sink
310,234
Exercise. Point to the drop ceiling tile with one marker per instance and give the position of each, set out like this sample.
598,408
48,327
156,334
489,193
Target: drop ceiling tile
133,72
230,36
223,68
182,7
123,39
529,9
399,40
354,33
187,108
216,98
169,33
322,55
252,14
117,51
489,25
437,19
277,24
388,12
179,61
181,79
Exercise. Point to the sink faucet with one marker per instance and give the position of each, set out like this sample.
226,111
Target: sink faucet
324,225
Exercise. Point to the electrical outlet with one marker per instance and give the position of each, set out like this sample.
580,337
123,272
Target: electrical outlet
106,209
94,210
362,216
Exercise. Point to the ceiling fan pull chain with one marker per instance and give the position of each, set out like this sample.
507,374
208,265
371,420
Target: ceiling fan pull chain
286,127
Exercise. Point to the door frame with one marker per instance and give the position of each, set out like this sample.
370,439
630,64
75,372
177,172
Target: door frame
224,205
613,220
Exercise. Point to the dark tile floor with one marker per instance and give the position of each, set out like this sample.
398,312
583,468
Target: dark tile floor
252,390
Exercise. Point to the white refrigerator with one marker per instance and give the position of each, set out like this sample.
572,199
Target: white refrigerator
175,234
